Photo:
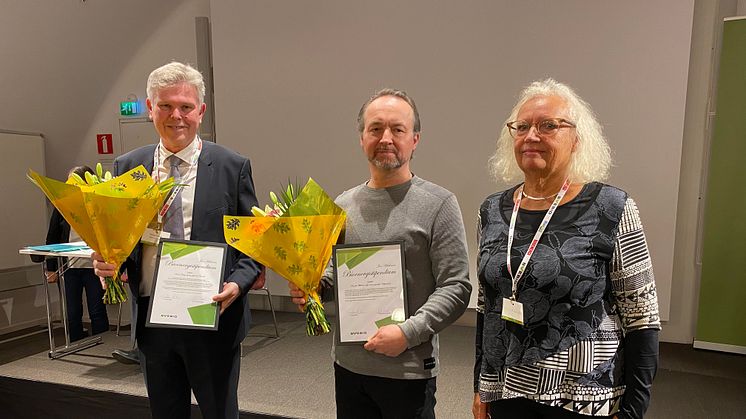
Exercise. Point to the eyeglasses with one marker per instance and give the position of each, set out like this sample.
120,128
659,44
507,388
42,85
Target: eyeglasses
546,127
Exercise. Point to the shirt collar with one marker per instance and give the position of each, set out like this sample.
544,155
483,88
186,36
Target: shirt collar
185,154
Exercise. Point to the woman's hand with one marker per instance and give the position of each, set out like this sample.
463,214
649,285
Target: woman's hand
479,409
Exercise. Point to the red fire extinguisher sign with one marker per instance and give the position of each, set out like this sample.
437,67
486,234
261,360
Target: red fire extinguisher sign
103,141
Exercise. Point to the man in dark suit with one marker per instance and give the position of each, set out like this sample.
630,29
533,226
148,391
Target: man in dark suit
218,182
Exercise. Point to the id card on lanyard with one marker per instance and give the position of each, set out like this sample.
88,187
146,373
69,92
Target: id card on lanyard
512,309
154,232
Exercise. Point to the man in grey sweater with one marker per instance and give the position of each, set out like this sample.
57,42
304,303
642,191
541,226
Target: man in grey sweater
393,374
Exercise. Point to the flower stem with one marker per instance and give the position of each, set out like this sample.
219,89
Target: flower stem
115,292
316,322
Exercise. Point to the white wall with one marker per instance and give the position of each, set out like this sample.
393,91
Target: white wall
295,74
173,38
67,64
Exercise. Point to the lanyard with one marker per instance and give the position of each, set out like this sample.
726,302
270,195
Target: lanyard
535,241
177,189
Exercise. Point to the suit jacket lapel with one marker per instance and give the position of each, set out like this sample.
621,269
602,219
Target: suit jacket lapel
202,188
149,161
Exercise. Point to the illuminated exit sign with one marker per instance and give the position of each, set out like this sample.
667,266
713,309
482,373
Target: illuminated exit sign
129,108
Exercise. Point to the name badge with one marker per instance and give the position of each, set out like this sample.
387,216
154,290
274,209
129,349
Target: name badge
152,236
512,311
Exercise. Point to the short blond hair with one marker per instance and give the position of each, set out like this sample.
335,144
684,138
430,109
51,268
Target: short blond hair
172,74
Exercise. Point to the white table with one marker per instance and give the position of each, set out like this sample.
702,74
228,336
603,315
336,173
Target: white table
68,348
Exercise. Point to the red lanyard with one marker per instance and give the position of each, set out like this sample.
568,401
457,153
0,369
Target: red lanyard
177,189
511,231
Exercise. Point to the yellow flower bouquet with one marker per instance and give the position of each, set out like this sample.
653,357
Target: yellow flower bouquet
294,239
109,213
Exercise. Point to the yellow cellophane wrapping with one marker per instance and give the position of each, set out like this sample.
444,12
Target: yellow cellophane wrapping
297,248
110,216
298,244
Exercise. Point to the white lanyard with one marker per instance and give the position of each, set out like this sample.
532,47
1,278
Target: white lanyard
511,231
177,189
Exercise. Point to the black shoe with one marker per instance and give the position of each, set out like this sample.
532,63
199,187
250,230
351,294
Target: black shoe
126,357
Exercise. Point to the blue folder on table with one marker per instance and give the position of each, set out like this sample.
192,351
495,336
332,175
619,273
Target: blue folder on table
61,247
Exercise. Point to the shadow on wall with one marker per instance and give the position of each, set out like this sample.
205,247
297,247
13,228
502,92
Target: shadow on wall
59,70
22,299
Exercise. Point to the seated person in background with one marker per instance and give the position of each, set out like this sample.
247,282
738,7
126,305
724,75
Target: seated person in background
78,276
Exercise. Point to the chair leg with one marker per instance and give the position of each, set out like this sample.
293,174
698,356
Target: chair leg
272,309
274,318
119,319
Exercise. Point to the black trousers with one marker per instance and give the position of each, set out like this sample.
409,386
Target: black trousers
362,396
175,361
520,408
77,280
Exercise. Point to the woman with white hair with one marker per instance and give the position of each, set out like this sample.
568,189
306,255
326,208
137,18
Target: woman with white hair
567,321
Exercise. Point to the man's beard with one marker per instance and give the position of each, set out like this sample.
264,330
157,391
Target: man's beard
388,163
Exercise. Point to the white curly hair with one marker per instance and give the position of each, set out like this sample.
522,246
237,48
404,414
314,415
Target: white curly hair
591,160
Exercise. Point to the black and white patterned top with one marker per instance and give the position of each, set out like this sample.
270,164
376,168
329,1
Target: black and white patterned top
589,283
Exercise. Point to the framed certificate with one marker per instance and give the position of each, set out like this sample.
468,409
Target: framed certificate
187,275
370,287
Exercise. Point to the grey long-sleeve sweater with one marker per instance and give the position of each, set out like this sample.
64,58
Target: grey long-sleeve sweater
428,219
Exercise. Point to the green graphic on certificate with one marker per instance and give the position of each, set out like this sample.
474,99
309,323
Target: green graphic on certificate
355,256
178,250
203,314
387,321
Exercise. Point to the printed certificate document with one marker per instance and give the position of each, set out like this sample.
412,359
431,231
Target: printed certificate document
188,274
370,286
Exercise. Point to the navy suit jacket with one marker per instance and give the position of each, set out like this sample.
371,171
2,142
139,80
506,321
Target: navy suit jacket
223,187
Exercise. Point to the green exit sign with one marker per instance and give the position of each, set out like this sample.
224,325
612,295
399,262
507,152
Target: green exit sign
129,108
